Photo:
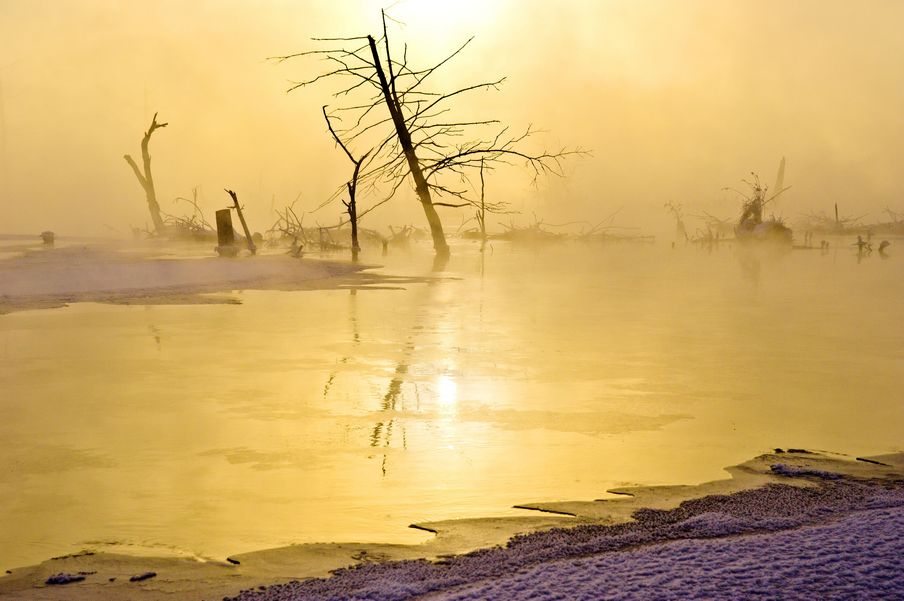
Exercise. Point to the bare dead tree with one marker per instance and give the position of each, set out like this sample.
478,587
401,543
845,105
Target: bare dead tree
835,224
145,178
482,207
677,212
351,207
418,138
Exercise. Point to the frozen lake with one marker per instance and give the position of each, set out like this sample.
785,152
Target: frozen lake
523,376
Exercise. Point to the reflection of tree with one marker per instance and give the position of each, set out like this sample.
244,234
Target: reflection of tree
381,436
356,338
329,384
750,268
390,400
155,332
353,314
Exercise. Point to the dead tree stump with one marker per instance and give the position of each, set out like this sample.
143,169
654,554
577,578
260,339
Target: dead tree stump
225,234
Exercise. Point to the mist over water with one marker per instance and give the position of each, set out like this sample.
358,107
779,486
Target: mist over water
676,101
521,375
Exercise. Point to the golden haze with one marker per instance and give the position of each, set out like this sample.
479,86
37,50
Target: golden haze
676,101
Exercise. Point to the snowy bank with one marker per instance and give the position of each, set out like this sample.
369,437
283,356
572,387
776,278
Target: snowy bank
787,525
56,277
824,529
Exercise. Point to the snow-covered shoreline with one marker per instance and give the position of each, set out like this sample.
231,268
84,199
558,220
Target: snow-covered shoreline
857,556
787,525
824,530
47,278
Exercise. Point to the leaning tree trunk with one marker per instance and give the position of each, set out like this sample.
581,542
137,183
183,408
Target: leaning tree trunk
420,182
249,240
146,179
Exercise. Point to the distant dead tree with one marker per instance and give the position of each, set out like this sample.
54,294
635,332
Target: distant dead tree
482,207
837,224
716,225
351,207
677,212
145,178
418,138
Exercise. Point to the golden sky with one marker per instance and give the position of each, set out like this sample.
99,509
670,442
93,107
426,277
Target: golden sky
675,99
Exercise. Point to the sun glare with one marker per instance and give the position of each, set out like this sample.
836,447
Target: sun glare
446,393
443,22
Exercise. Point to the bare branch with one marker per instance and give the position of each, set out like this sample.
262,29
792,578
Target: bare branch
336,136
419,138
131,162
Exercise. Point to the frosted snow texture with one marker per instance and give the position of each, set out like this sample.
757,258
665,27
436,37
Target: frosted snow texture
859,557
843,539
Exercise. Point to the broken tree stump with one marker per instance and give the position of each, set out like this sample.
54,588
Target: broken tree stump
225,234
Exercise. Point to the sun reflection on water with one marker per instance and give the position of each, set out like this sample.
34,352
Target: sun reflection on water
446,394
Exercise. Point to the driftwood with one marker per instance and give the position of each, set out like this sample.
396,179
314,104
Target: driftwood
531,234
289,226
716,225
194,226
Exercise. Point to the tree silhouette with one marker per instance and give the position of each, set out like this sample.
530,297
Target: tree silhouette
351,207
145,178
418,138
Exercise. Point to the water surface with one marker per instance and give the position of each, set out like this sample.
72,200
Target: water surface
523,375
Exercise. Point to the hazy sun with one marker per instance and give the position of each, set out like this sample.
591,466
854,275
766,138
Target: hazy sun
442,23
